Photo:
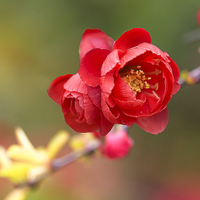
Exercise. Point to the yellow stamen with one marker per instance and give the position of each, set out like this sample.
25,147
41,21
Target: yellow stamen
135,78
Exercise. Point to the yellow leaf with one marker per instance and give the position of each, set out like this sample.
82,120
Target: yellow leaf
56,143
17,172
23,139
33,156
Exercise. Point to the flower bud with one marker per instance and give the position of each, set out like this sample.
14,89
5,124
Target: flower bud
117,144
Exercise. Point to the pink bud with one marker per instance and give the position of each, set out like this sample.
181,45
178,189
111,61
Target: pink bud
117,144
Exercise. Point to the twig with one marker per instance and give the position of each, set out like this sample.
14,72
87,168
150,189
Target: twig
58,163
69,158
194,77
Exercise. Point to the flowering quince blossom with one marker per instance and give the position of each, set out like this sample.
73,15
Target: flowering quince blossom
125,81
117,144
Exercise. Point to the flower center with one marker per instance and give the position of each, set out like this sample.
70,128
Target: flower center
135,78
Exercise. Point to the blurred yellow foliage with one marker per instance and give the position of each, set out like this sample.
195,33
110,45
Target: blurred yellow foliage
24,164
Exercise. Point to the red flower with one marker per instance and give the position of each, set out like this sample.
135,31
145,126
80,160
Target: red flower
117,144
137,80
124,82
198,16
80,104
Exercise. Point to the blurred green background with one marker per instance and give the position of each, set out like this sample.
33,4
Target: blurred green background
39,41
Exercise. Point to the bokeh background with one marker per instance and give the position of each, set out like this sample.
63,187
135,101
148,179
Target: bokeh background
39,41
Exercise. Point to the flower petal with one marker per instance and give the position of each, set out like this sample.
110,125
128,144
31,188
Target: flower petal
91,111
106,126
94,38
132,38
90,66
155,50
154,124
111,61
75,84
176,74
56,88
133,56
94,94
80,127
124,96
107,112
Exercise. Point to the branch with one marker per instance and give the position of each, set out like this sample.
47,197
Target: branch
191,78
73,156
58,163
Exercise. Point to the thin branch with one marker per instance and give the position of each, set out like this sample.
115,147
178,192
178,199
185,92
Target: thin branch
73,156
58,163
194,77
